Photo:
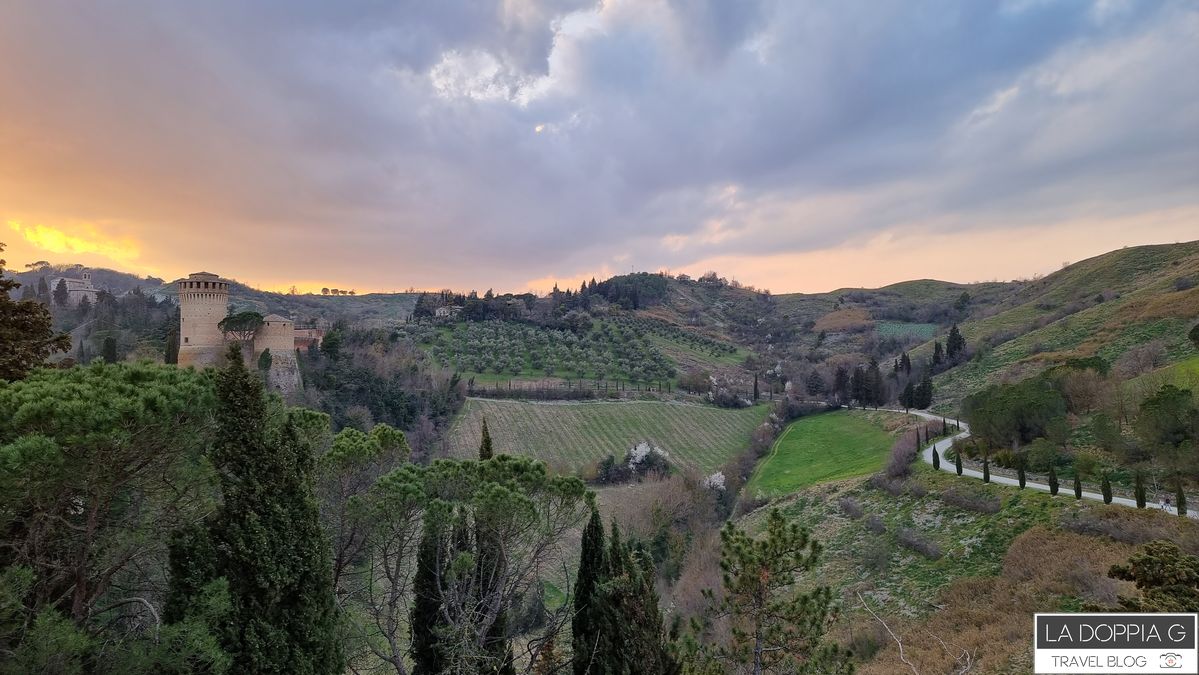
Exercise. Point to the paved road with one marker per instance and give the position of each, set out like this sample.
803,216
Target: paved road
946,465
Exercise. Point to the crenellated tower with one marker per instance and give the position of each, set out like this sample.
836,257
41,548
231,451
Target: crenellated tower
203,302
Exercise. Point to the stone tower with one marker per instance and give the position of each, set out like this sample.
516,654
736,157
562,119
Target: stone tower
203,302
278,334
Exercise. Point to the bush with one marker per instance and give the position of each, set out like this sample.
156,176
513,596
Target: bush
903,453
1184,283
876,555
979,503
850,507
891,486
875,524
1134,527
909,538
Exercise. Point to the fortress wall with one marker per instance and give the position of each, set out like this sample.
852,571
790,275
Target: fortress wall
277,336
284,375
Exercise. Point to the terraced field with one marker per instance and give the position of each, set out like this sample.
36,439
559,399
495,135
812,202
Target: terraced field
574,436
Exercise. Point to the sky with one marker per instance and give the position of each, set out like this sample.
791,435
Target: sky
511,144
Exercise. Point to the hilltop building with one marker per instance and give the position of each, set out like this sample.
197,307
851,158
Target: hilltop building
77,289
203,303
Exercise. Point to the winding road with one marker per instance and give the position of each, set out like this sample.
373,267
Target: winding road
942,445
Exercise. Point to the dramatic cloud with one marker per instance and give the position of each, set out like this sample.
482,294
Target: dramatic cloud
509,143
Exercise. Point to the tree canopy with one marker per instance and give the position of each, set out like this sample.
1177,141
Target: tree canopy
27,337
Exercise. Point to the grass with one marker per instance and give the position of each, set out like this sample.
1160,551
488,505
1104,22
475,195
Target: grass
575,436
1184,375
826,447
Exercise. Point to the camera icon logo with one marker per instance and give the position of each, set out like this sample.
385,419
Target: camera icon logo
1171,660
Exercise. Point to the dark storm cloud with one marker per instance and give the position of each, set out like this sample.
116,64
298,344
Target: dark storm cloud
482,143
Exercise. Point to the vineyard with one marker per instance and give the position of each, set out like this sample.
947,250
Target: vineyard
574,436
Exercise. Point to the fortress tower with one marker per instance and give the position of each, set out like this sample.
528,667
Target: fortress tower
203,302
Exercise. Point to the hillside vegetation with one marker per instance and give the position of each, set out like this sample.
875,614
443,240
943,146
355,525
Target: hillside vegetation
1102,306
575,436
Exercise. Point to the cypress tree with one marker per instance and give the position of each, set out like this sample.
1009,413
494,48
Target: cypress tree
756,392
586,624
1138,489
490,568
1106,487
61,295
427,656
1053,485
944,427
936,459
1077,485
955,344
1180,499
265,539
986,470
938,354
1020,477
109,350
172,348
485,451
957,460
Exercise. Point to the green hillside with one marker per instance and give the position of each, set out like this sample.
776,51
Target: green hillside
1101,306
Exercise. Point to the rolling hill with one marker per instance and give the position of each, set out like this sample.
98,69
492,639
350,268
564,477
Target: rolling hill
1102,306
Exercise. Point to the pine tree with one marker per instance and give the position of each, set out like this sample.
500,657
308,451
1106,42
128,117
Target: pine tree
265,539
1138,488
986,470
587,620
775,627
1106,488
957,460
1077,485
485,451
936,459
27,335
1053,484
427,623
